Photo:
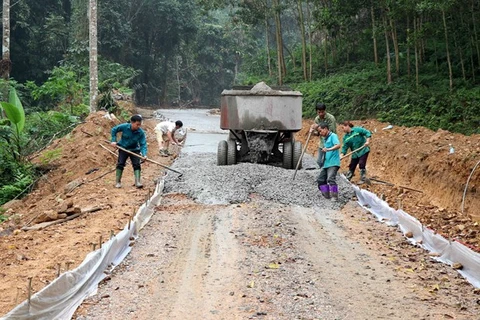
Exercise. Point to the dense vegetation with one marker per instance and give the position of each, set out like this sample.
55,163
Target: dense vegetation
411,62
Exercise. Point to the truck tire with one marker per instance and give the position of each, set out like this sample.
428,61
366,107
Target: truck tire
297,152
222,150
287,155
231,152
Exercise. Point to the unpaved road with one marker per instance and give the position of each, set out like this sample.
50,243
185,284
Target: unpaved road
246,242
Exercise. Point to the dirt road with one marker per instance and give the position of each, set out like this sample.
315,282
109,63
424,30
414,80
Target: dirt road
247,242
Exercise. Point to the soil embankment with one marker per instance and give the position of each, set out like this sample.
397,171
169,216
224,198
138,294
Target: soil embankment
80,177
420,158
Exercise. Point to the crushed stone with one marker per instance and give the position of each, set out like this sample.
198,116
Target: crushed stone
208,183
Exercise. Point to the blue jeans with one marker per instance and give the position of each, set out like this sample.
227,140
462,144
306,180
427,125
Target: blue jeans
328,176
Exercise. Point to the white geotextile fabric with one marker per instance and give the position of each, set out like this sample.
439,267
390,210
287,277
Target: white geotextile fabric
446,251
63,296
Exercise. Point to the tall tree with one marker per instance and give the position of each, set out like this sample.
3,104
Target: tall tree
6,63
92,14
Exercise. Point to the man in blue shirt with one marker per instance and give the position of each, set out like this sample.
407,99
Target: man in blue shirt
133,139
327,179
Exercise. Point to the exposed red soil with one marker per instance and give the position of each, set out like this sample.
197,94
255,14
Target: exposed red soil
37,254
420,159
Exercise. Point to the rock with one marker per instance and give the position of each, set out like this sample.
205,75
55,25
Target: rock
11,204
457,266
17,231
409,234
63,208
62,215
73,210
69,187
48,215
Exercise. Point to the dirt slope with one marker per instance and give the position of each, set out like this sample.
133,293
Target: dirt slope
37,254
420,158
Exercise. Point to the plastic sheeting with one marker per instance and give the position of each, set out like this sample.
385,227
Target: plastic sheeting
446,251
63,296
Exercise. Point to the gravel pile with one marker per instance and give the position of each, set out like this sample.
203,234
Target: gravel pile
208,183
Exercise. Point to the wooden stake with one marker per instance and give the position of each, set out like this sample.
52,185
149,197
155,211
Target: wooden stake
67,264
399,200
59,266
112,234
100,242
29,291
94,246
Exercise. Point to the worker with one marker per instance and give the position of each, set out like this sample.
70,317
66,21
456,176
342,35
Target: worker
165,132
133,139
327,179
323,117
356,138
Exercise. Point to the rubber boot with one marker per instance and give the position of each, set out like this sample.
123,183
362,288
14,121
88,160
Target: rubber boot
363,176
138,184
349,175
118,178
324,190
334,193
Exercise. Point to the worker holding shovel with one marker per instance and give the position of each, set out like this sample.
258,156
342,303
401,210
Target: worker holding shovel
134,140
322,117
327,179
356,139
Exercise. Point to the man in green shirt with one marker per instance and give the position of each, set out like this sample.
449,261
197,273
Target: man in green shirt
356,138
322,117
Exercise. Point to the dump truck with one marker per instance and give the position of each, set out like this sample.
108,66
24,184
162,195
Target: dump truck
262,122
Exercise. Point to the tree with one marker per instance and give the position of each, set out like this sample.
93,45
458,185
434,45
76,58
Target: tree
93,54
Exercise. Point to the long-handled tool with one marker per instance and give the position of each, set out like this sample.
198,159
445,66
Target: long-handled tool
147,159
352,152
367,180
301,156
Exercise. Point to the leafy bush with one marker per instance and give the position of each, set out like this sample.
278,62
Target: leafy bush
363,93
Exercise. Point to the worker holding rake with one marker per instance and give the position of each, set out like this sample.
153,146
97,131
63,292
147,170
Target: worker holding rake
134,140
356,138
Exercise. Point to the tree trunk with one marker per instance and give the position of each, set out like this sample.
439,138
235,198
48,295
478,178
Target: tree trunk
415,26
267,40
408,47
304,42
450,72
475,32
6,64
325,46
310,53
278,35
92,14
395,46
471,60
374,36
389,63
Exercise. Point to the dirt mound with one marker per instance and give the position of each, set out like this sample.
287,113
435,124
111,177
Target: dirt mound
421,159
81,178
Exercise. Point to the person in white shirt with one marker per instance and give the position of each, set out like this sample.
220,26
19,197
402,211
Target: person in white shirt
165,132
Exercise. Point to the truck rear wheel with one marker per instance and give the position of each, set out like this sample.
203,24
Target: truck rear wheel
287,155
231,152
297,152
222,150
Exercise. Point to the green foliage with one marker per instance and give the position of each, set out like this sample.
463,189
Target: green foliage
22,178
63,87
362,93
50,156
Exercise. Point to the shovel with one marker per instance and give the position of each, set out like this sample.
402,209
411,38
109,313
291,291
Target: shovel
147,159
301,156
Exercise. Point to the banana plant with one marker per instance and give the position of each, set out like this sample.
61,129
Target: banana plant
12,127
